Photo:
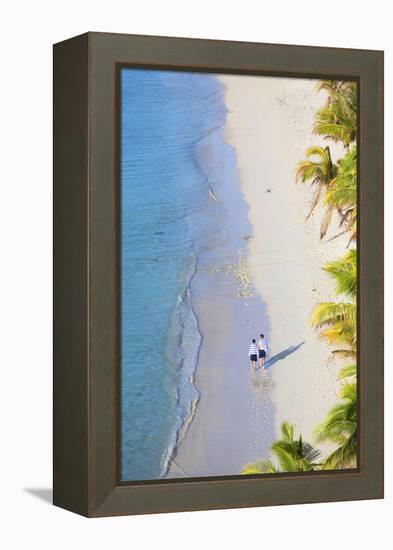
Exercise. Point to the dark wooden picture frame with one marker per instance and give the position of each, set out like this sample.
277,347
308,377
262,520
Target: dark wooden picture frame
86,341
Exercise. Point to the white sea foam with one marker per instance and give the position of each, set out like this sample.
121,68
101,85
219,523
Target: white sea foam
183,350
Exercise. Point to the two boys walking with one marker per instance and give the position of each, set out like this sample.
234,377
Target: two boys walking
258,351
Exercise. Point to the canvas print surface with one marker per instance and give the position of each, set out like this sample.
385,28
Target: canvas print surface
238,274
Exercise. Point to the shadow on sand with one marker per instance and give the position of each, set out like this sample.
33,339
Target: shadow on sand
282,355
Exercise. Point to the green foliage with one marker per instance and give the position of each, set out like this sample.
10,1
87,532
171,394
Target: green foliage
335,184
342,193
337,120
344,271
347,372
292,455
260,467
340,427
327,314
318,169
343,190
336,321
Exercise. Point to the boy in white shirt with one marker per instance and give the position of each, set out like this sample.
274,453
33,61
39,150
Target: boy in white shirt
263,349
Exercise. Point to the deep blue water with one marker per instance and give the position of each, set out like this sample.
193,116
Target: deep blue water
165,116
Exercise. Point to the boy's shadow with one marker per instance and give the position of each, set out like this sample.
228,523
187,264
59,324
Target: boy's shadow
282,355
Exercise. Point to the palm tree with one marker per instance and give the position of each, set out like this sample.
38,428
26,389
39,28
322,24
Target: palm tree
332,87
336,321
340,427
321,171
342,194
293,455
344,272
337,120
335,88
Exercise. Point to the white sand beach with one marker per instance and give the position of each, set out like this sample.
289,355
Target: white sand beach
285,254
270,126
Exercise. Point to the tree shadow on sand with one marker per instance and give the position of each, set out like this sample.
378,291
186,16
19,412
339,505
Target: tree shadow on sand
282,355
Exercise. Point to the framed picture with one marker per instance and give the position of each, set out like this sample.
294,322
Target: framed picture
218,274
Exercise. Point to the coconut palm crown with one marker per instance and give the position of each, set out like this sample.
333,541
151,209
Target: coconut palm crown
337,119
340,427
318,169
342,193
292,455
336,321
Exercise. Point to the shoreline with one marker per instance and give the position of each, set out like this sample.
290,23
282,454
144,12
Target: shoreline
230,417
184,418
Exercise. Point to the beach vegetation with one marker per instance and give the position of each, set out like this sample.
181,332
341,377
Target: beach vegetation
262,466
318,169
337,325
348,371
342,193
340,427
336,321
335,182
291,454
337,119
344,271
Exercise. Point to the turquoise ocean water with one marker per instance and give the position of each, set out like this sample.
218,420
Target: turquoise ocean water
164,119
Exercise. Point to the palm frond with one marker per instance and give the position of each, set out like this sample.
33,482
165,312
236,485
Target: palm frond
326,314
342,333
293,455
341,420
285,458
287,432
342,193
318,166
344,456
310,453
344,272
347,372
349,392
322,152
262,466
337,120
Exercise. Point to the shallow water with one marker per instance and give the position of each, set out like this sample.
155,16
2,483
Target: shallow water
168,120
